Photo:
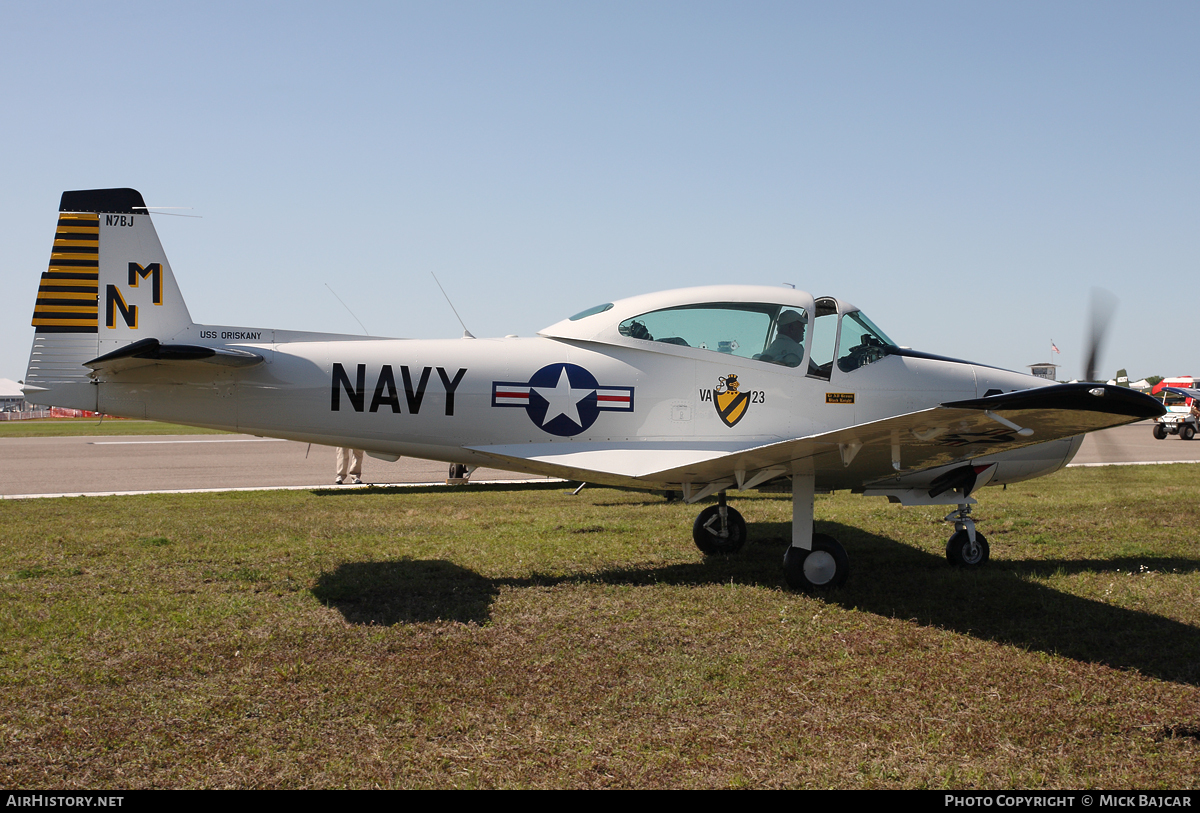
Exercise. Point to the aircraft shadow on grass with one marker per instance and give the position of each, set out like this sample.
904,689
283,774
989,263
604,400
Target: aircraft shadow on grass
892,580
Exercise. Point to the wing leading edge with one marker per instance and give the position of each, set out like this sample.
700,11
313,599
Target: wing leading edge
954,432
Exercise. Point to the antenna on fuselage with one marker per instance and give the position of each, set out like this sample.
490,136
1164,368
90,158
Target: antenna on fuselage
466,333
347,307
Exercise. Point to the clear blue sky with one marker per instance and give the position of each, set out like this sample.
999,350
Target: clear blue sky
964,172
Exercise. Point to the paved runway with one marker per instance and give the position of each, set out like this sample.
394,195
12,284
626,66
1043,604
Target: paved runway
113,465
124,464
1135,444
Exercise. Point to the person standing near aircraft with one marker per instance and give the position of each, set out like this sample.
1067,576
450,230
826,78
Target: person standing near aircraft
788,348
349,464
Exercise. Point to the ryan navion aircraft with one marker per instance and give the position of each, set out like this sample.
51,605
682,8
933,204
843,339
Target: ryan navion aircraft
700,391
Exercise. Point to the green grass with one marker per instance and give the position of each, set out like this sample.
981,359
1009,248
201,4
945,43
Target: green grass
522,637
73,427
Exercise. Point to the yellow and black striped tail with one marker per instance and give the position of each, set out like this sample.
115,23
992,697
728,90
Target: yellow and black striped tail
68,297
104,243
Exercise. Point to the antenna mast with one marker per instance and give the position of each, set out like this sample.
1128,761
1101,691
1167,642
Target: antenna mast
466,333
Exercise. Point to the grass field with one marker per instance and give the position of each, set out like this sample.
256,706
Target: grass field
64,427
522,637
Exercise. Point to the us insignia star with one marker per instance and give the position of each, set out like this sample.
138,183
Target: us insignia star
563,399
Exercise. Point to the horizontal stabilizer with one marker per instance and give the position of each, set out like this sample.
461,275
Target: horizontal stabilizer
151,351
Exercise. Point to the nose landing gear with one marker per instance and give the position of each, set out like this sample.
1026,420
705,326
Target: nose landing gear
967,547
719,529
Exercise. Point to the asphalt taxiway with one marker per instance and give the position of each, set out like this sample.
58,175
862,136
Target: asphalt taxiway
133,464
35,467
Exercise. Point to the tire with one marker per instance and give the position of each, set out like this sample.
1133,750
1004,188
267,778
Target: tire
1187,432
825,567
706,531
959,553
1160,432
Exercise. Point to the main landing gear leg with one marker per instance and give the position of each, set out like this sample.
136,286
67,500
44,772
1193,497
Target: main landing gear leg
719,529
967,547
813,561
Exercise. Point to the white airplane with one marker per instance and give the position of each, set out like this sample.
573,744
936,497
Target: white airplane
699,391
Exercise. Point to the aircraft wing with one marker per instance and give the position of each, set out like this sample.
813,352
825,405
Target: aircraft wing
1187,392
916,441
635,464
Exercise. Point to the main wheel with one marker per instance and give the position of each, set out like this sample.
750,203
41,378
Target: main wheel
711,538
825,566
458,471
1187,432
1160,431
959,550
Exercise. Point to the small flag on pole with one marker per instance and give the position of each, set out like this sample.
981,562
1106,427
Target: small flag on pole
1054,347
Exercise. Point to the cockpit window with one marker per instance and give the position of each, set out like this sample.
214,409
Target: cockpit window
739,329
787,344
861,342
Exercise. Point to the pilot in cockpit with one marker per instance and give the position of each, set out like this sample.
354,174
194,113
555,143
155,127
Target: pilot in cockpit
788,347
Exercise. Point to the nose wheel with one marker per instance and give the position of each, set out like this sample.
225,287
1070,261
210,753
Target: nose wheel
719,529
962,552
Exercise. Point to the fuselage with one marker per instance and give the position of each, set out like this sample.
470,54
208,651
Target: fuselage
440,399
638,391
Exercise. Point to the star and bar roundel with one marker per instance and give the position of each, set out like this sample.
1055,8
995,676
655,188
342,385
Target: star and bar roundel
562,399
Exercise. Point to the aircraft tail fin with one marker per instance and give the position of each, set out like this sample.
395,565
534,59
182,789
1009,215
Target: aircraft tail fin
108,284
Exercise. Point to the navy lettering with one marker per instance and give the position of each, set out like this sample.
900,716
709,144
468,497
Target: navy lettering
450,386
388,381
356,392
414,398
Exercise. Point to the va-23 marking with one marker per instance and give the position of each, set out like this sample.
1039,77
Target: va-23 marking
731,403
